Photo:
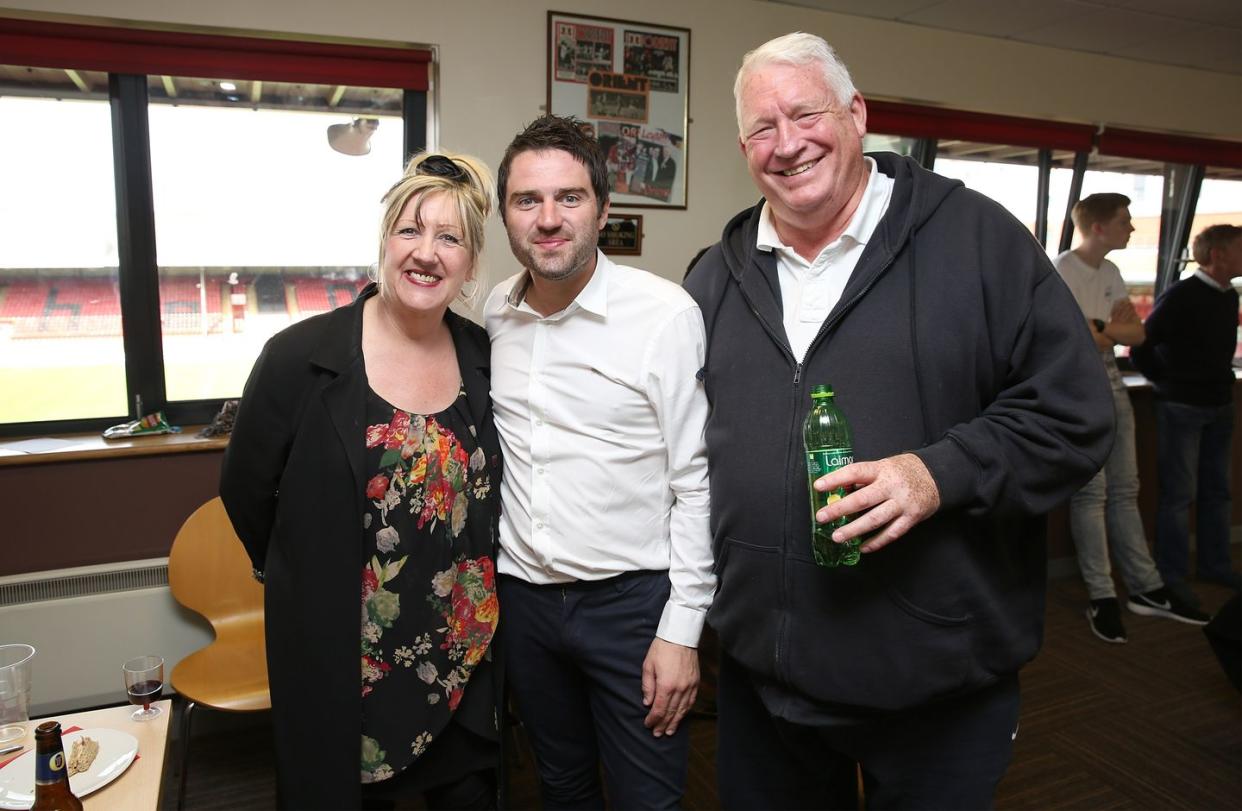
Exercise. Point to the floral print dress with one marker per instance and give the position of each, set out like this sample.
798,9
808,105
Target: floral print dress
429,607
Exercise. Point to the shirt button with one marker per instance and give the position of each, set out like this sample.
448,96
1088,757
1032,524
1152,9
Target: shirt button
538,422
538,526
539,471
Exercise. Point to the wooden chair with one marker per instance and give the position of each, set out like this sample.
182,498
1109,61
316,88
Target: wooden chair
209,573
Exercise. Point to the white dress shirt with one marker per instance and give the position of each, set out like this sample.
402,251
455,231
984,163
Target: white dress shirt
601,420
809,290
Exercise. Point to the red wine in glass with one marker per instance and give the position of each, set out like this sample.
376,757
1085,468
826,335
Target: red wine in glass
145,692
144,684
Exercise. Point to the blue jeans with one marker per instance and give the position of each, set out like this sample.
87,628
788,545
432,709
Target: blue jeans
1193,455
1104,514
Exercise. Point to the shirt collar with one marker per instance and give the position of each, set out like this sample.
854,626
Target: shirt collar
593,298
860,228
1215,285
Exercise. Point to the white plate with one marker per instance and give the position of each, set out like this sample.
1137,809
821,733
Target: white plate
116,751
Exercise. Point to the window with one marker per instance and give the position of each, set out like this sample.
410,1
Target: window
1220,202
1007,174
889,143
234,269
61,355
1000,156
208,152
1137,262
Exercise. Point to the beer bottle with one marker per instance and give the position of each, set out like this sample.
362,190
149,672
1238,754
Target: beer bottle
52,791
829,445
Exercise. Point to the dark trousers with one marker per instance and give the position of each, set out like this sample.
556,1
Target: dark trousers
948,755
574,657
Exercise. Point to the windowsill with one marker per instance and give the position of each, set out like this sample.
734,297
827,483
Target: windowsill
79,447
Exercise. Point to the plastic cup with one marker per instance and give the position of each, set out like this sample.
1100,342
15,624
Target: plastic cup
14,690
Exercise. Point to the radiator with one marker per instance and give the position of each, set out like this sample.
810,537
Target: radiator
85,622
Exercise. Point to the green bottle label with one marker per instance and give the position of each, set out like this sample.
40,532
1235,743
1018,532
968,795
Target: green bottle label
825,460
826,551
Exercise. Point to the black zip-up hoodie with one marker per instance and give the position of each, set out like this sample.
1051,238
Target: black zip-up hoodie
954,339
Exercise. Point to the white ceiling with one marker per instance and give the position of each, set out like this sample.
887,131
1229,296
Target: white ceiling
1203,34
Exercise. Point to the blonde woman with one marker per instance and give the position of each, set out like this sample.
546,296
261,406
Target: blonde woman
362,477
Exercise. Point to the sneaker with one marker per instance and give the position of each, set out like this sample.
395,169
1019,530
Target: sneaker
1182,592
1104,616
1164,603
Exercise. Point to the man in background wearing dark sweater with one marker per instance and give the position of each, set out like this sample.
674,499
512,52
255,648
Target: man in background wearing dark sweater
1104,515
1191,338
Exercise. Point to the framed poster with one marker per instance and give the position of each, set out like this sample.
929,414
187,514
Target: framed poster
622,234
631,82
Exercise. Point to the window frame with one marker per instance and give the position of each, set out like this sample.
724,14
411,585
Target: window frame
129,56
1185,158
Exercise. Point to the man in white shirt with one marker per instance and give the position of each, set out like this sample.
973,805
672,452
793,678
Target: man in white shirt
605,560
1104,514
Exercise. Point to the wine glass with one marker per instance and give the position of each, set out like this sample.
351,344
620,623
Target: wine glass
144,683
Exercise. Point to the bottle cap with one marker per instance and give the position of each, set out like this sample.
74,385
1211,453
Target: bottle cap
821,390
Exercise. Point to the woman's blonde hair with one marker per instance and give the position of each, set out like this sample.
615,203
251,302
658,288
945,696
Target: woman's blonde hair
465,179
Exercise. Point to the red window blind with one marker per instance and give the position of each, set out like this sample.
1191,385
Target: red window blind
1170,148
139,51
894,118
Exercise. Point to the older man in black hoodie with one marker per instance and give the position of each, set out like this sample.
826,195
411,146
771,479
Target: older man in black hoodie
977,405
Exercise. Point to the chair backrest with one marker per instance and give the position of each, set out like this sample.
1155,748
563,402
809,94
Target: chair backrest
209,571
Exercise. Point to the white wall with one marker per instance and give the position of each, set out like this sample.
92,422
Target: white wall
81,642
493,74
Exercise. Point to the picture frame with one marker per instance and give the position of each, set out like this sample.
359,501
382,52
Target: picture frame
630,82
622,234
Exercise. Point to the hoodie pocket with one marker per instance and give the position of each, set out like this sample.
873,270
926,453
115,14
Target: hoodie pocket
855,640
744,612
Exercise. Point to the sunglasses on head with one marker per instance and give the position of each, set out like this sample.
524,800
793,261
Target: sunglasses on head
445,167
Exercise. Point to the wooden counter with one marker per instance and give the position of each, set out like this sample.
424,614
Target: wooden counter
79,447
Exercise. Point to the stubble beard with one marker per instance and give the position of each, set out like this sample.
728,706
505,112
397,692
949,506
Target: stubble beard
552,269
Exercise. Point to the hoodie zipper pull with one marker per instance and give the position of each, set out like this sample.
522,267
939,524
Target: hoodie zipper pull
797,373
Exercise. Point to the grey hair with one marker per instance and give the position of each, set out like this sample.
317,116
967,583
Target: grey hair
798,48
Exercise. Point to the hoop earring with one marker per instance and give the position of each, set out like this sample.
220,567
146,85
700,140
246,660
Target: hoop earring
469,294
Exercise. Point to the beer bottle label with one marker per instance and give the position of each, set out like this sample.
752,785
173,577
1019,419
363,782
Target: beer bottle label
50,767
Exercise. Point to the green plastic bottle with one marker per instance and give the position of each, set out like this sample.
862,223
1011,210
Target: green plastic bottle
829,445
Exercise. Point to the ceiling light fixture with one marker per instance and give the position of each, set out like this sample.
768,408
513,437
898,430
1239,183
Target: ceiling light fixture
353,138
